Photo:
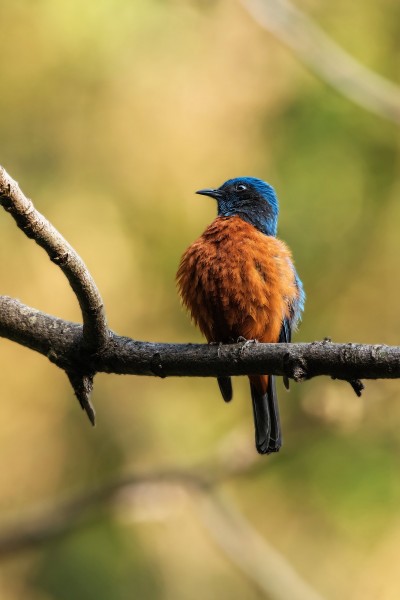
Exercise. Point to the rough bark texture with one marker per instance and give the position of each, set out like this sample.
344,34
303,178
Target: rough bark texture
35,226
61,342
95,331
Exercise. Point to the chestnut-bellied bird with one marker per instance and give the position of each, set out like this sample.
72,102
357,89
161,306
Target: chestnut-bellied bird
238,281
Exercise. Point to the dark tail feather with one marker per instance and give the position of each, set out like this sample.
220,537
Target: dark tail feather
225,386
266,413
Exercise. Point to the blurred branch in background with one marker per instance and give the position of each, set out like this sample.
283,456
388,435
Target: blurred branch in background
249,551
146,496
326,58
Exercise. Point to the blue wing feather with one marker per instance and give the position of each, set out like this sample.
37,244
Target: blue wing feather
290,323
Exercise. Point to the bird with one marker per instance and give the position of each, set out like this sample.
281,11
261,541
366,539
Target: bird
238,282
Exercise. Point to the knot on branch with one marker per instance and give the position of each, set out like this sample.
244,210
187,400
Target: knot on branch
357,386
5,202
60,259
295,367
156,366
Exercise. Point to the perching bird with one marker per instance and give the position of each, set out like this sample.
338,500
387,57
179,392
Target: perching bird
238,281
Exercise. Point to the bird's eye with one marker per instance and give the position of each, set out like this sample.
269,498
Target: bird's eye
241,187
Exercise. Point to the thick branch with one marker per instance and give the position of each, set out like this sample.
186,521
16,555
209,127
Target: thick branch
58,340
35,226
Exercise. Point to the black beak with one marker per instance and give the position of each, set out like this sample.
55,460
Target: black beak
210,192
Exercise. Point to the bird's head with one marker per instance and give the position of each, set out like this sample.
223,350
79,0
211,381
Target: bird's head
249,198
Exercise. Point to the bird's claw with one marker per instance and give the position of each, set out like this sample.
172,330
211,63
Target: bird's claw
246,343
219,344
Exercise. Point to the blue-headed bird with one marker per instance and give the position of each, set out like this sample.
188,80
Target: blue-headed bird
238,281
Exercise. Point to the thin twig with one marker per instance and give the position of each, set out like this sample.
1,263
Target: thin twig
83,387
326,58
37,227
95,331
357,386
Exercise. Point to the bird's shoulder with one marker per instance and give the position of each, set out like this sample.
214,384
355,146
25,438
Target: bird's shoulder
244,237
232,236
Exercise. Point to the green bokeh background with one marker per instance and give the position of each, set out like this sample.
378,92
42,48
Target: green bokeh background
111,114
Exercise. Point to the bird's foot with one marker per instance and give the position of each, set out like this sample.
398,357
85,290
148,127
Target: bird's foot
246,343
356,384
219,344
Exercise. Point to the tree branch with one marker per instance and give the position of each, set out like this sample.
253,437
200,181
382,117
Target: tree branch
95,331
268,570
36,226
241,542
326,58
58,340
48,522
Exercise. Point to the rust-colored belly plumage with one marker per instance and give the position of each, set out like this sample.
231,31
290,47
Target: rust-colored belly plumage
236,281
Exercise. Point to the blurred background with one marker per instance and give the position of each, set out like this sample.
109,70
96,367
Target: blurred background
112,113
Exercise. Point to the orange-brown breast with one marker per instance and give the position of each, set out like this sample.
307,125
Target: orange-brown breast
236,281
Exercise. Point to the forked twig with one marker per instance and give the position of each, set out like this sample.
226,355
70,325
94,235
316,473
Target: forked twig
95,333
